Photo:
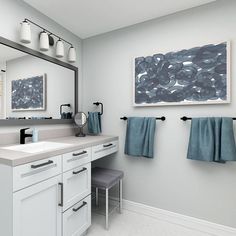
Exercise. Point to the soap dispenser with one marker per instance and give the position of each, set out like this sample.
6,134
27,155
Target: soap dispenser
35,135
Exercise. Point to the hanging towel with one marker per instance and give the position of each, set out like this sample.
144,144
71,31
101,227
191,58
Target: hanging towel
139,139
212,139
94,123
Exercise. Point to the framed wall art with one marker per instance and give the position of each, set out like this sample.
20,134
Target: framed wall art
28,94
199,75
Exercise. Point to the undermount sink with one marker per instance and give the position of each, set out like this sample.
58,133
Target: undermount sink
38,147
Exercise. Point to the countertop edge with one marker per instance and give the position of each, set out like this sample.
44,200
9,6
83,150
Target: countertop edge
43,155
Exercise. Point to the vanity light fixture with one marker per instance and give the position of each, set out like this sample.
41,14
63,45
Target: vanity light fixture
25,32
46,40
59,48
72,54
43,41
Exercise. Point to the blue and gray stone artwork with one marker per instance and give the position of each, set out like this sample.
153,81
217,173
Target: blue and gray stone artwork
28,93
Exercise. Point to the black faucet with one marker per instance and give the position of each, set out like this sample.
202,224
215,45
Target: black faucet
23,135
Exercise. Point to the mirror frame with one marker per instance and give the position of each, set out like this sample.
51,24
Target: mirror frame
45,57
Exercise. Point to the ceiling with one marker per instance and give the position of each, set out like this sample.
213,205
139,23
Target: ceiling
87,18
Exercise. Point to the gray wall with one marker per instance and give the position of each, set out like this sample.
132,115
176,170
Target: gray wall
169,181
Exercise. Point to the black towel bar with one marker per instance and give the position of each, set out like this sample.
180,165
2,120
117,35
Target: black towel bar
185,118
157,118
97,104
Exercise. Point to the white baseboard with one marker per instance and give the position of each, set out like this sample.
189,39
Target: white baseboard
175,218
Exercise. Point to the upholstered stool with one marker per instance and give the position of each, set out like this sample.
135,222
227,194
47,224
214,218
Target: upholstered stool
105,179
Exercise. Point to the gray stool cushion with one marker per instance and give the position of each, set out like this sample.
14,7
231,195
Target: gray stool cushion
105,178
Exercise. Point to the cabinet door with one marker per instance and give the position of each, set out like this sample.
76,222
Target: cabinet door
77,219
77,185
36,211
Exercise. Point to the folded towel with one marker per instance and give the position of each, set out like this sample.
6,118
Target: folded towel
139,139
212,139
94,123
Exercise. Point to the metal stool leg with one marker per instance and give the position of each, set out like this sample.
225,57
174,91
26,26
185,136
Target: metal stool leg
107,208
120,196
96,196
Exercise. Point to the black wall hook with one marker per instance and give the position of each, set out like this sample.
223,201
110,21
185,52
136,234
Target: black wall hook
97,104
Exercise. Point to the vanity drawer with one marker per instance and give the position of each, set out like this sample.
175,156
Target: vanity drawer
34,172
104,149
77,185
77,219
76,158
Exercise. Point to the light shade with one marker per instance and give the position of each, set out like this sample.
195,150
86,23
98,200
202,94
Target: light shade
59,49
44,41
72,54
25,32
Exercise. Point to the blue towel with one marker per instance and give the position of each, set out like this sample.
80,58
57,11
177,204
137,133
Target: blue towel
212,139
94,123
139,139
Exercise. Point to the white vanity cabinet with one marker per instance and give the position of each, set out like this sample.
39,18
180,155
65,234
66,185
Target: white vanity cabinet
76,204
51,196
37,198
36,211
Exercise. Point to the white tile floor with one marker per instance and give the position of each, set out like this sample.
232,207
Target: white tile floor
133,224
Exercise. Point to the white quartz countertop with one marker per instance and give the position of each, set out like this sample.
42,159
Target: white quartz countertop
15,158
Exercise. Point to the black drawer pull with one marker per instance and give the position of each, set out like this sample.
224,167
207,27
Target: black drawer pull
42,164
76,209
107,145
79,153
62,193
77,172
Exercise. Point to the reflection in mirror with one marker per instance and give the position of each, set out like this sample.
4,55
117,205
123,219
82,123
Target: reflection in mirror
33,88
80,119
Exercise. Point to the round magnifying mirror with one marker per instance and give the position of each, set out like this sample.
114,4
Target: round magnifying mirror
80,119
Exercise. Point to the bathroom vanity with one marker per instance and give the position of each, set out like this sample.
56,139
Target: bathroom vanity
46,188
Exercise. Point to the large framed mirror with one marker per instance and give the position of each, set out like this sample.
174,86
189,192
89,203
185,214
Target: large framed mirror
35,88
